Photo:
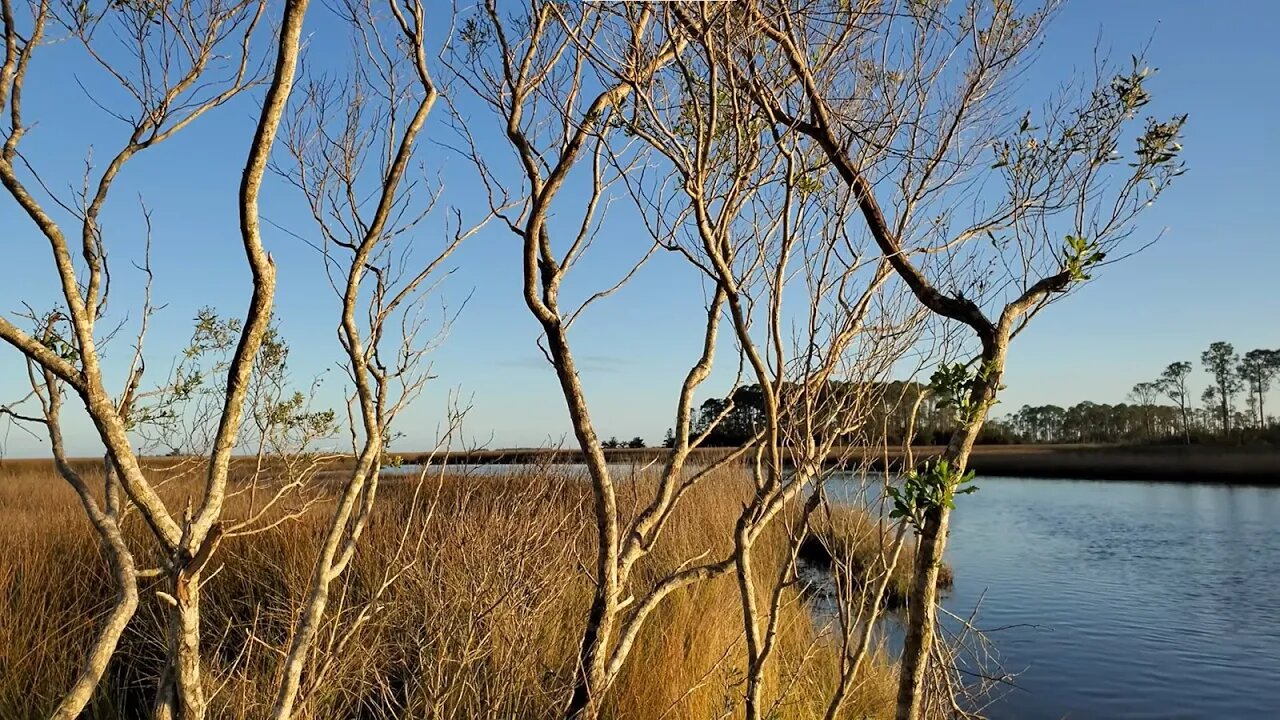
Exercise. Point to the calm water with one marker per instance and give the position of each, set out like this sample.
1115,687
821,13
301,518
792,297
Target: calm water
1148,600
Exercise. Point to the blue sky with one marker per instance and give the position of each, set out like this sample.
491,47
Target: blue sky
1211,277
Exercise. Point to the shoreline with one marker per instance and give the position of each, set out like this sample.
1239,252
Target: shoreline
1166,463
1146,463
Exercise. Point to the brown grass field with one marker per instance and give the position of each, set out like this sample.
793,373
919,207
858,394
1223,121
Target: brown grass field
481,620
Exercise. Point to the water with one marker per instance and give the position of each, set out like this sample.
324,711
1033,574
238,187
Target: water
1148,600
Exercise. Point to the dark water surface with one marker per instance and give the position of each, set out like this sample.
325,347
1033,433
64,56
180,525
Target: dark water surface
1151,600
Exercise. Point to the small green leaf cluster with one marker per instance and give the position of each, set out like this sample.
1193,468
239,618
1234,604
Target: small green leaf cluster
932,486
1015,151
953,384
955,387
1079,255
476,35
52,331
212,333
808,184
61,347
1088,138
1158,145
292,413
1129,89
149,10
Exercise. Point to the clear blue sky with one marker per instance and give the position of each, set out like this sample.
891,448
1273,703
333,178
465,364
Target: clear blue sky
1210,278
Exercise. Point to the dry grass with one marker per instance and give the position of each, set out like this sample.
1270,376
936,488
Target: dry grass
482,620
847,540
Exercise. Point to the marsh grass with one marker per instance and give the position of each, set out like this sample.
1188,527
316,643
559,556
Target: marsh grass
466,600
851,543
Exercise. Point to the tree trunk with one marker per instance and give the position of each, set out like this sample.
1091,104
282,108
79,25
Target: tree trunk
104,645
1226,417
922,604
921,613
746,589
180,695
593,653
591,660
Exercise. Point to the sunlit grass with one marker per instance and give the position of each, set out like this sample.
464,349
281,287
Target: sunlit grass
482,619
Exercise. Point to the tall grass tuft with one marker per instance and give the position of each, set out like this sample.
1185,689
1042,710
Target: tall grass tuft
846,540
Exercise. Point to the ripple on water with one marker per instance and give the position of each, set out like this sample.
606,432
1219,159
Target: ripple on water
1128,600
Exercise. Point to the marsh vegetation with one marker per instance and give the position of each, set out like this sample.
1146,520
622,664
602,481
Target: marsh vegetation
466,601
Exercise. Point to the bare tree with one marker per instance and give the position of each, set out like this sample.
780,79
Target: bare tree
352,143
754,220
231,389
182,60
611,97
912,107
530,71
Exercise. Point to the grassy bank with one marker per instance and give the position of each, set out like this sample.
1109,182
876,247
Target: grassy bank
481,618
1171,463
848,542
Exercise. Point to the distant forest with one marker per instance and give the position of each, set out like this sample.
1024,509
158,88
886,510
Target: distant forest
1231,407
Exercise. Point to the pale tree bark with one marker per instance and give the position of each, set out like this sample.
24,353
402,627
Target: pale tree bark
534,80
743,244
46,389
920,133
361,244
184,40
201,533
752,209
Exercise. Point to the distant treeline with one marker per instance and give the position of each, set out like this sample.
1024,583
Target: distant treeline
1231,407
733,420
